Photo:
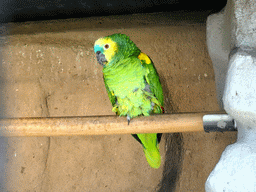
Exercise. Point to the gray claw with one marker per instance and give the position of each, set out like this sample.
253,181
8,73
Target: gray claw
128,119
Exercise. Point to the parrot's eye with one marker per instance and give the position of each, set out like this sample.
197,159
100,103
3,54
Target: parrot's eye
106,46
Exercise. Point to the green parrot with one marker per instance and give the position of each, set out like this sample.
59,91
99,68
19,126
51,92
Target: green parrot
133,86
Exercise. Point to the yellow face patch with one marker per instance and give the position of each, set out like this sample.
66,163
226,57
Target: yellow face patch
109,47
144,57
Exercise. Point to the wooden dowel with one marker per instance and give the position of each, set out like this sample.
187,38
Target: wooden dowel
104,125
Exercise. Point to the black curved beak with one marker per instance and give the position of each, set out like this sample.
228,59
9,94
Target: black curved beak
101,58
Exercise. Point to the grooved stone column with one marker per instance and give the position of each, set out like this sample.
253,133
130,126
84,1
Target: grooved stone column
235,29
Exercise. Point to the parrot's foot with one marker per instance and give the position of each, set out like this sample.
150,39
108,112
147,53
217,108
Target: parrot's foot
128,119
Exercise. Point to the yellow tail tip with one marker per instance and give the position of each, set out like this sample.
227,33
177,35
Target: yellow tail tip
153,157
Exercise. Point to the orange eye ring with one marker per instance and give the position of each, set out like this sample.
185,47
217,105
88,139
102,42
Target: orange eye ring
106,46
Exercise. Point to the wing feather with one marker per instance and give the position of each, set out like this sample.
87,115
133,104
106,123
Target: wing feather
111,95
152,77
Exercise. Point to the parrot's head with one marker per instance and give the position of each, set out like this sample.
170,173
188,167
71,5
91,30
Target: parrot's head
113,48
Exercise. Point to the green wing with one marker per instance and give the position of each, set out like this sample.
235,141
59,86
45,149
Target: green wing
152,78
111,95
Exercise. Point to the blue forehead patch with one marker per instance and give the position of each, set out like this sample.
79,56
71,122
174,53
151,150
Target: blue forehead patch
97,48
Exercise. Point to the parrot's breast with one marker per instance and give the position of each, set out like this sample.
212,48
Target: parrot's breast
127,82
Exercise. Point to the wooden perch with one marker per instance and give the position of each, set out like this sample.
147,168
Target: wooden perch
104,125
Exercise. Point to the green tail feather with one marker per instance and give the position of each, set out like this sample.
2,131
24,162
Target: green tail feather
153,157
151,149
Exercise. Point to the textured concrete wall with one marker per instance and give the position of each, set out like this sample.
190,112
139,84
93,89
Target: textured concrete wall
49,69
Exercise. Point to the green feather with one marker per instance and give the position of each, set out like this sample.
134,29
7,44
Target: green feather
151,149
133,86
154,82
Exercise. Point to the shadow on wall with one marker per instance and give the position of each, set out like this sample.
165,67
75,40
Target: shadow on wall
173,162
173,141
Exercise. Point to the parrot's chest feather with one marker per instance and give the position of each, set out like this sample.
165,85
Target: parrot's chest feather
125,80
131,90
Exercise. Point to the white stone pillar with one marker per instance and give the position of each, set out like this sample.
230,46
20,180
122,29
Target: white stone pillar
235,29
